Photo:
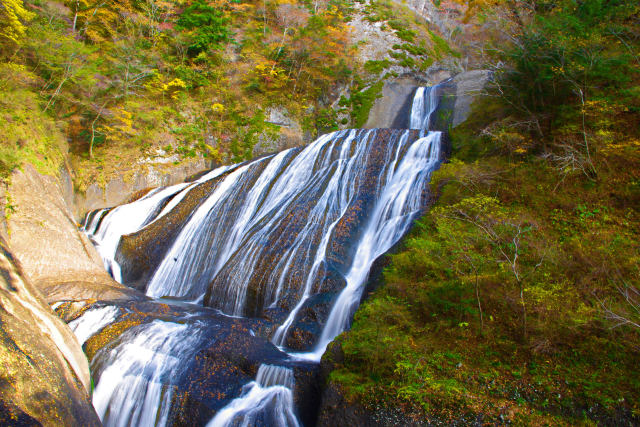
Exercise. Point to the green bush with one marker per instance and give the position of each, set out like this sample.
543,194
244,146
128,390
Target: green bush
207,25
376,67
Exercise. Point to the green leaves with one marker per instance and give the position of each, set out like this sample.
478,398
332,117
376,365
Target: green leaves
206,25
568,54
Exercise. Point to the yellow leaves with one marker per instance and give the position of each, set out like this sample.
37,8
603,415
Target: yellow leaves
175,84
620,145
13,15
217,108
171,88
120,126
241,7
270,75
212,152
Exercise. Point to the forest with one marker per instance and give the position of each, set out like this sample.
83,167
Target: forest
515,298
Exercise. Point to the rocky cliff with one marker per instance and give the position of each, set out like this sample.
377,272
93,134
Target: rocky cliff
392,108
45,380
57,258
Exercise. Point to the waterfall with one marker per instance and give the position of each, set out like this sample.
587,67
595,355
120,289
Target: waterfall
266,401
425,102
91,222
396,209
91,322
286,240
123,220
133,388
105,231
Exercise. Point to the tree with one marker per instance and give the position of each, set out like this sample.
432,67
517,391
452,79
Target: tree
626,310
488,233
13,15
206,25
563,57
63,61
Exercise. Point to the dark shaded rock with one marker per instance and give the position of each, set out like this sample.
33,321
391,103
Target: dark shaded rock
226,358
307,326
11,415
337,410
307,392
44,377
218,373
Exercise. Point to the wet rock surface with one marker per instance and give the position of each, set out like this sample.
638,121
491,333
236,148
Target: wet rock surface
225,356
283,240
307,326
140,253
287,234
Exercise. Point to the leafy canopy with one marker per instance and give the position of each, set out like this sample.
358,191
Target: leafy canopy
13,15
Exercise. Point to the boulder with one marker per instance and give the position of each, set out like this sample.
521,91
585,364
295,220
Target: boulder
290,133
44,375
56,257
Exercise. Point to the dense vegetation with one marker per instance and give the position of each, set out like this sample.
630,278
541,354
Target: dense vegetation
117,81
517,296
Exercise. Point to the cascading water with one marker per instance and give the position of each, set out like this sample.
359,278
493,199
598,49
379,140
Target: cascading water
105,231
266,401
425,102
396,209
287,240
122,220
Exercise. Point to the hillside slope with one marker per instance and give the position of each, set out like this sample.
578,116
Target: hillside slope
516,298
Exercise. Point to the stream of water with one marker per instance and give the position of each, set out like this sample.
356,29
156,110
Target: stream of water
279,247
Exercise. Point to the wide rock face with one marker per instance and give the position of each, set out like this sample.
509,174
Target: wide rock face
458,94
262,236
44,376
56,257
392,109
119,189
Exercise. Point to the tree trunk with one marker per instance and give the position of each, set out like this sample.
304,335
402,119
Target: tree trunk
479,304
